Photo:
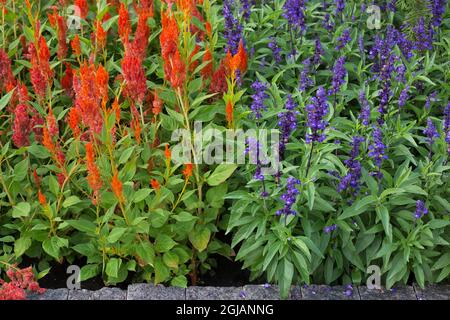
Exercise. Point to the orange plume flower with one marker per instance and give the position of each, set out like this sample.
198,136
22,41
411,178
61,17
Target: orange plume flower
155,184
117,188
167,153
124,23
187,172
157,104
42,198
76,46
229,112
100,35
93,177
74,119
101,80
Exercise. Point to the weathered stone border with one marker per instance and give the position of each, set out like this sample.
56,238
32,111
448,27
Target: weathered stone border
249,292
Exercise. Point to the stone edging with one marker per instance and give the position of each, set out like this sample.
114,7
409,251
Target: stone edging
144,291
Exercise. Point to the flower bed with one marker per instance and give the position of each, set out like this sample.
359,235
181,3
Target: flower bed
304,140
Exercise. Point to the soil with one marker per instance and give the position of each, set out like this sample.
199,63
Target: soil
227,273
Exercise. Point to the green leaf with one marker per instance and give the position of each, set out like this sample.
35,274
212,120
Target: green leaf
419,275
112,267
200,238
285,275
53,185
358,207
53,245
215,195
179,281
141,195
89,271
442,262
158,218
116,234
5,99
38,151
164,243
126,155
146,252
171,260
161,271
21,170
310,194
22,209
438,223
383,214
83,225
71,201
221,173
21,245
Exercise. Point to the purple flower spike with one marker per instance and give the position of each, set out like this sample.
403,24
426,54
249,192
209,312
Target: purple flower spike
403,97
343,39
421,210
289,197
287,122
294,13
232,29
339,73
364,115
353,176
258,98
430,132
316,111
276,50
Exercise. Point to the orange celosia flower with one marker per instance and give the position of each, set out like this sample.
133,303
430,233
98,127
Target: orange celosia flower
47,141
42,198
157,104
116,186
101,80
116,109
124,23
74,119
67,79
93,177
208,29
40,73
83,8
229,112
187,172
88,97
136,126
236,62
100,35
75,44
52,124
58,22
155,184
36,178
167,153
176,70
134,75
242,57
174,67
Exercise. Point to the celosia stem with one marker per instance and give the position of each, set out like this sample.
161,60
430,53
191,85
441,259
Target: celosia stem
180,195
5,188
